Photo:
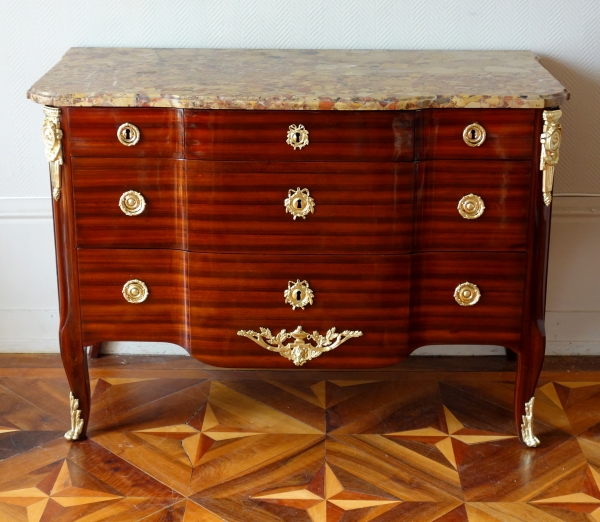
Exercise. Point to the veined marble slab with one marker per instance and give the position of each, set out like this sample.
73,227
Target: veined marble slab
298,79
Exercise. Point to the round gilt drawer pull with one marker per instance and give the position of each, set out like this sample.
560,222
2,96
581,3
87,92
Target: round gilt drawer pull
135,291
467,294
132,203
299,203
474,135
297,136
128,134
298,294
470,206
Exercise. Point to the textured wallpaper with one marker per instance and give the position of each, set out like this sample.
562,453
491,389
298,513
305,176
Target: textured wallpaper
34,35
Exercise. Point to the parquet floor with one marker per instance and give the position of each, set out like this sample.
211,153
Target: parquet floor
172,440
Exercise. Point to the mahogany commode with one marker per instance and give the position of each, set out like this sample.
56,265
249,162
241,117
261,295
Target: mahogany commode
326,238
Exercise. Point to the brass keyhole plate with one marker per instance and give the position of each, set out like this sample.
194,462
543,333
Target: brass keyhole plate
128,134
474,135
470,206
299,203
298,294
297,136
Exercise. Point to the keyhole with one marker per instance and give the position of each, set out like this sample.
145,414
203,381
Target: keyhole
298,295
297,137
299,204
127,134
473,134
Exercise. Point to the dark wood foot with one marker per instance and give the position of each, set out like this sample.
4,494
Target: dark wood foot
74,359
94,350
528,371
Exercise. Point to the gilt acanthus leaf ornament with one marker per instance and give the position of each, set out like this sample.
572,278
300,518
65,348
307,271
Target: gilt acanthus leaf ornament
76,420
550,139
527,426
52,135
299,351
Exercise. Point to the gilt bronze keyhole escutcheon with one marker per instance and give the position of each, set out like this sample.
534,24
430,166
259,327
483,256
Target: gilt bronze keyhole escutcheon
299,203
474,135
298,294
297,136
128,134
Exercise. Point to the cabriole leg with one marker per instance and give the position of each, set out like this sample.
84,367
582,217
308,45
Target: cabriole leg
73,354
528,371
74,359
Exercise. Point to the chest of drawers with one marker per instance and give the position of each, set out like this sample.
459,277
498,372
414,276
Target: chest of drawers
313,237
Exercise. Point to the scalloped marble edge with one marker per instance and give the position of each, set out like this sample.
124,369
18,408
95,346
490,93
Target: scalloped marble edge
455,101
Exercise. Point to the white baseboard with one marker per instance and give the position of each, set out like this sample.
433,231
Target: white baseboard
28,302
563,348
134,348
29,346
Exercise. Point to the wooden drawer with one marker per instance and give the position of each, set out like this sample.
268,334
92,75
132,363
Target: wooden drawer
233,292
99,184
336,136
107,316
509,134
93,132
502,186
436,317
358,207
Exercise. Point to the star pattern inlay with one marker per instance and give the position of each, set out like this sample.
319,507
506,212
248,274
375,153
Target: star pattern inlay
56,486
196,443
325,488
443,441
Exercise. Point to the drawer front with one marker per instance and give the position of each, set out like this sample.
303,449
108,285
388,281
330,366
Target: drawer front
437,318
231,293
94,132
358,207
493,197
107,216
332,136
509,134
105,313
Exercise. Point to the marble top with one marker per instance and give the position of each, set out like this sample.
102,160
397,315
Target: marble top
297,79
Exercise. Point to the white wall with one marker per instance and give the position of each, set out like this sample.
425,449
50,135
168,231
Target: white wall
34,34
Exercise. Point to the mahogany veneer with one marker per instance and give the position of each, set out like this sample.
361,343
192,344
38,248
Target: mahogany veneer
237,292
509,134
504,187
93,133
97,186
256,135
106,316
359,207
383,251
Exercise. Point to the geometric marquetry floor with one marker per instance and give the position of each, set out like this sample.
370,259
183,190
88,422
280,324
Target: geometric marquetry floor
172,440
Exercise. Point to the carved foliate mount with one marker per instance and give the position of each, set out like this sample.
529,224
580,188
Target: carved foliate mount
76,420
299,351
52,135
550,139
527,426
